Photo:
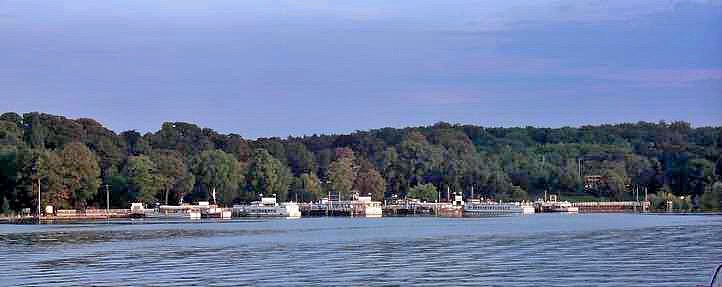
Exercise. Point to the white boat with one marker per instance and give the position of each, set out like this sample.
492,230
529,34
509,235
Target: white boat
553,205
268,207
373,209
563,206
203,210
137,210
364,206
495,208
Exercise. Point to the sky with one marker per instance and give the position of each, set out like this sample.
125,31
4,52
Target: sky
278,68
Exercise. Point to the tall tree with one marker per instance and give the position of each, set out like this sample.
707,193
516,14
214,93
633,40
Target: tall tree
217,170
145,182
370,182
418,158
11,135
342,173
135,143
310,185
13,118
267,175
35,132
80,172
300,159
424,192
171,168
712,198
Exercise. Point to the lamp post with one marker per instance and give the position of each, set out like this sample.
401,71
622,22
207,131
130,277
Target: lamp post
107,200
39,208
37,177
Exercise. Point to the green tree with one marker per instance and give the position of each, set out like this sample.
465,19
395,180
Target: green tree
712,198
11,135
5,206
390,167
19,178
300,159
370,182
172,169
143,178
13,118
35,132
120,192
80,172
185,187
51,173
218,170
424,192
517,194
309,185
614,186
341,174
701,175
8,173
267,175
417,158
135,143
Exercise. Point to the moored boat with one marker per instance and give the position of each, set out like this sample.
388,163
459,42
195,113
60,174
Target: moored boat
563,206
364,206
495,208
137,210
202,210
268,207
553,205
454,208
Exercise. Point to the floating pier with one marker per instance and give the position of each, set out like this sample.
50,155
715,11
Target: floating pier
612,206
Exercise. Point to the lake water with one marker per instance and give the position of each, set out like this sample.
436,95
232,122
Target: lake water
536,250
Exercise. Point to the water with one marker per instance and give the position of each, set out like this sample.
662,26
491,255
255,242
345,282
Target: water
538,250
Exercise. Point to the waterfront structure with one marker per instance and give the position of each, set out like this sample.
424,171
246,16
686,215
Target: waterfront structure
364,206
455,208
612,206
473,208
554,205
208,210
268,207
202,210
137,210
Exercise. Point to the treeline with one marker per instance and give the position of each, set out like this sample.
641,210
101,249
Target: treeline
74,162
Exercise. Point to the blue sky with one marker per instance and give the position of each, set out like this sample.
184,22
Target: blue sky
274,68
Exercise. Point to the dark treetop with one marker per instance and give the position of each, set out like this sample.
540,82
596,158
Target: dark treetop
74,159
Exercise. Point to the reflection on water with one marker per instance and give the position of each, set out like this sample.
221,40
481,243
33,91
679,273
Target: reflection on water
542,250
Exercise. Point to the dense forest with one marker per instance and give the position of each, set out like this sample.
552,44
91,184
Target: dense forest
75,161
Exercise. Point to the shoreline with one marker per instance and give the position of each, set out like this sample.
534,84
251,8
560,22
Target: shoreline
96,218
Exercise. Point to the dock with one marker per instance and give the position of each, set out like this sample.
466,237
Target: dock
612,206
335,208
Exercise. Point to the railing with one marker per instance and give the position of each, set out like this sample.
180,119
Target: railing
93,211
610,203
90,212
66,212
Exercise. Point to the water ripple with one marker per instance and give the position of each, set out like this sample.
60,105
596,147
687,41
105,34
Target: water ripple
330,253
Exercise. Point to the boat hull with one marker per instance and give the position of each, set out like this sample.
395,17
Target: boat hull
451,211
490,209
289,211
